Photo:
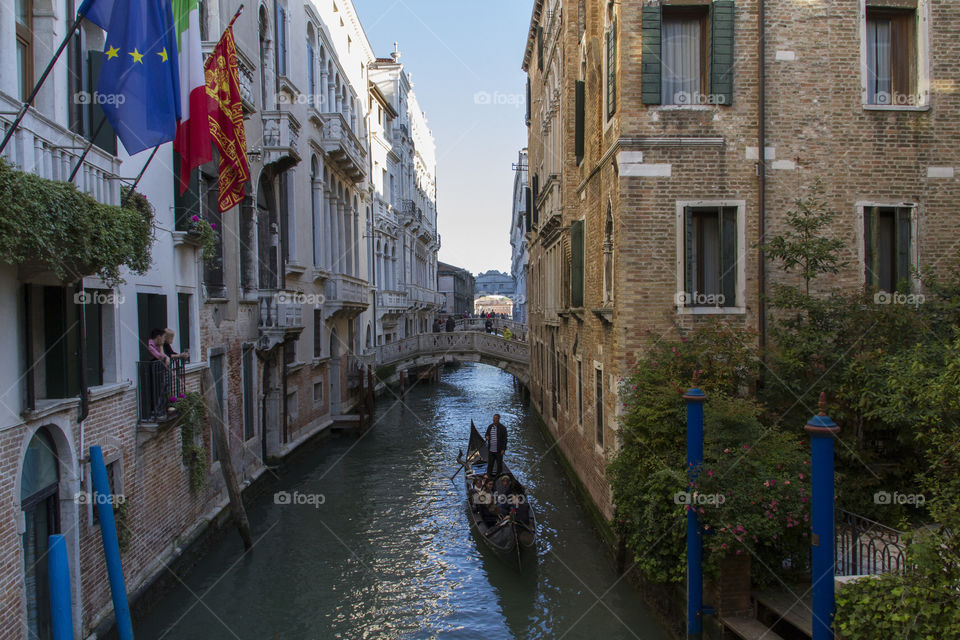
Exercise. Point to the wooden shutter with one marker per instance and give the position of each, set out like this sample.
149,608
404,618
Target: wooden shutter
870,249
540,48
536,192
721,52
612,69
904,246
579,109
576,263
728,256
528,100
93,328
281,17
650,55
903,57
528,204
689,253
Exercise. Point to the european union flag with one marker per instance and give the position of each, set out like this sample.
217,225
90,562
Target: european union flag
139,87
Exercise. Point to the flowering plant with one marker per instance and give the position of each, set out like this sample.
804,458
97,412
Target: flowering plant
206,233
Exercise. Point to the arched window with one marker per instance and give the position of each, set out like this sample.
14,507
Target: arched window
39,501
311,67
264,29
316,193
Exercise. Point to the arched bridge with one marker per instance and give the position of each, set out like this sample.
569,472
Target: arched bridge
463,345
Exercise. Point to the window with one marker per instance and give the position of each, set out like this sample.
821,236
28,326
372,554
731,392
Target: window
311,71
204,21
611,60
711,266
683,45
580,392
213,268
317,333
687,54
888,247
281,14
184,328
579,119
891,53
599,401
317,392
24,18
289,352
75,77
249,373
576,263
608,258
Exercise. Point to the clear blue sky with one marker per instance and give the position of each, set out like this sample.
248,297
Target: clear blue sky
465,62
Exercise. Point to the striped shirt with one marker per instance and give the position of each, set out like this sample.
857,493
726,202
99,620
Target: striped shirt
493,438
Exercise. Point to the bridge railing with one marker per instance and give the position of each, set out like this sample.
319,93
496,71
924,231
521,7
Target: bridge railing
517,329
456,342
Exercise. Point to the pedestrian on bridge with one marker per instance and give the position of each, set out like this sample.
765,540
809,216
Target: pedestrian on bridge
451,324
496,438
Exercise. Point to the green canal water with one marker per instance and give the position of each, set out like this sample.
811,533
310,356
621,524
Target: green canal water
379,546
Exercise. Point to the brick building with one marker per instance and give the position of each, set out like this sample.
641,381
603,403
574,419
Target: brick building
664,144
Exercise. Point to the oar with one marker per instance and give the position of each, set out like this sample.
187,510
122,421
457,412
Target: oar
460,460
516,542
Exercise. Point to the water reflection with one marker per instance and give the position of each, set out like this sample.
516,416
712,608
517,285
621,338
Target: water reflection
389,554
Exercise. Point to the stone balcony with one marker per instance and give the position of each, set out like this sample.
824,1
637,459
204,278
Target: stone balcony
49,150
345,295
392,302
421,298
281,137
280,317
341,145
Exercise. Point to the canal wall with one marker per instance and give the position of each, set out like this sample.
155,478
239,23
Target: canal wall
665,601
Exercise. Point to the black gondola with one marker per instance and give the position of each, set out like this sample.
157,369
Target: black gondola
511,538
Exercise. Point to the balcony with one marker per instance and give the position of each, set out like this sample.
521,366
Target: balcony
342,146
281,136
158,387
392,302
346,295
422,298
43,147
279,317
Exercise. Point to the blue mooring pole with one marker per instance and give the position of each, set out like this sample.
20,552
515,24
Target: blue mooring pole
61,610
822,431
111,547
694,399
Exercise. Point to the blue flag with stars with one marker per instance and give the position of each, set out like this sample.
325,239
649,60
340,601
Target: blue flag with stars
139,86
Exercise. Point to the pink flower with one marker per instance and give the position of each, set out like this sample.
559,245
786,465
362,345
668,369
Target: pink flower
746,447
195,218
723,545
213,225
801,475
710,472
726,450
173,398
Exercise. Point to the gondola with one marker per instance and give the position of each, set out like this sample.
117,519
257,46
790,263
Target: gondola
510,539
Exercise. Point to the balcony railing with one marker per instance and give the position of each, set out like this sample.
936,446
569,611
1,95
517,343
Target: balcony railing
159,385
281,137
280,309
421,297
43,147
342,146
389,301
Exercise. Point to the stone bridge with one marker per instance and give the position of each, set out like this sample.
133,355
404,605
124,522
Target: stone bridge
512,355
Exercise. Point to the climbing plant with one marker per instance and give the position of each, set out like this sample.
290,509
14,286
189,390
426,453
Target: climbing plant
52,223
192,413
206,234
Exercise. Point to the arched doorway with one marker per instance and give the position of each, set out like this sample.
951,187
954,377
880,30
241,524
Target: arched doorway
40,503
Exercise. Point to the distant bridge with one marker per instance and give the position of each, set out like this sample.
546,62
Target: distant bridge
469,345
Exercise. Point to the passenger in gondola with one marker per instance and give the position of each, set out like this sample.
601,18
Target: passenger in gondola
475,489
486,507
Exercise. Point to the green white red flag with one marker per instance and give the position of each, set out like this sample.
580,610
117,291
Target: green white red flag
193,130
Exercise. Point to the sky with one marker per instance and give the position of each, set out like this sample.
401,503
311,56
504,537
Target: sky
464,59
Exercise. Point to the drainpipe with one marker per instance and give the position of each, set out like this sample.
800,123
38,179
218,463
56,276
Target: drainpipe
762,174
82,364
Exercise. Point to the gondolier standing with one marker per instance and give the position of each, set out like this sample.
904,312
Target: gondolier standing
496,438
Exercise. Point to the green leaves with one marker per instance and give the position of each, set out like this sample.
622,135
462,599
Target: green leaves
52,224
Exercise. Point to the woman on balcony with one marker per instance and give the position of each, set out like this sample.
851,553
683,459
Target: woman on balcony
160,374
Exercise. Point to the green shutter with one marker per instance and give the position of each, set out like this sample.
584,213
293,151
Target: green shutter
870,252
904,242
721,52
612,69
728,256
579,113
650,55
536,194
576,263
689,257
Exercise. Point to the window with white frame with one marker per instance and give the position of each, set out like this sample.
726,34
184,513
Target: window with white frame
894,40
888,247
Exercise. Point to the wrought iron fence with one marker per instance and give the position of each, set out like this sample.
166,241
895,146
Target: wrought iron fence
865,547
158,386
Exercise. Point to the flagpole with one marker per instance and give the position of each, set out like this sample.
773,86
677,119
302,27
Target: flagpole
234,18
76,167
133,187
36,88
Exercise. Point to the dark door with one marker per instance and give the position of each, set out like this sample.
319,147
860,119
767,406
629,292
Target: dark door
61,344
151,314
41,510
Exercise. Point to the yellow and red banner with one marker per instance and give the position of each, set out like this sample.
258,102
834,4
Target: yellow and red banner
226,120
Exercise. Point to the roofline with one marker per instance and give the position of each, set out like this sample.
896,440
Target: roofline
382,99
532,34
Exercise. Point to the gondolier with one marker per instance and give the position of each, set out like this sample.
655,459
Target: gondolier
496,438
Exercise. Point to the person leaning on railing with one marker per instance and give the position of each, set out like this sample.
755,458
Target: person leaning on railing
155,346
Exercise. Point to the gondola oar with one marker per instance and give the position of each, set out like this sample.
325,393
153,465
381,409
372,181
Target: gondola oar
462,465
516,540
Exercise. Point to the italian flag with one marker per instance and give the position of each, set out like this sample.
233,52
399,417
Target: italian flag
193,129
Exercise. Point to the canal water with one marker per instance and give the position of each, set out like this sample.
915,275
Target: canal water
379,547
